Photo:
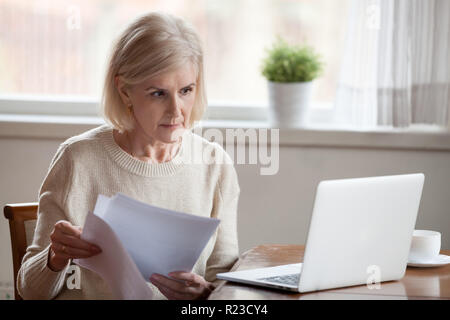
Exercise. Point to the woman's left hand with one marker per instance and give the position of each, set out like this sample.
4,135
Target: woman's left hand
191,287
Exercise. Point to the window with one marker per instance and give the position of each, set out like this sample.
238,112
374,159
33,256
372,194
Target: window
59,48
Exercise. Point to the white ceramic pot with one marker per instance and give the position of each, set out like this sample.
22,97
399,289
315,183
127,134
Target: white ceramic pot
289,103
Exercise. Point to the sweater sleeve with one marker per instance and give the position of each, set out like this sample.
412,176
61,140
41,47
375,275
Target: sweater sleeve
35,280
226,250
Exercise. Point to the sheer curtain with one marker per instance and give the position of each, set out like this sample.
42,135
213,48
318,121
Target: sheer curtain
396,69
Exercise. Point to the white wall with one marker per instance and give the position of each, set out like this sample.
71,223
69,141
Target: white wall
272,209
277,209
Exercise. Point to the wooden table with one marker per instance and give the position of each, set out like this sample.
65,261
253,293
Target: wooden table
418,283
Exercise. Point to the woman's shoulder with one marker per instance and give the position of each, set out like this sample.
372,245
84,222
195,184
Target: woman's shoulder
82,144
89,136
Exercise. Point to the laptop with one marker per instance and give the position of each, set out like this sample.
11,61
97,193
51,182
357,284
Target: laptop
360,233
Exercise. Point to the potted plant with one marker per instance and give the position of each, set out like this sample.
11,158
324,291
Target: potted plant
290,71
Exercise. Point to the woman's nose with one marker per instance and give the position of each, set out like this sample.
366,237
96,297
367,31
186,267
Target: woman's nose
174,107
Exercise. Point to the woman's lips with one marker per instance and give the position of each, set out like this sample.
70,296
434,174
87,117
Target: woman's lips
170,126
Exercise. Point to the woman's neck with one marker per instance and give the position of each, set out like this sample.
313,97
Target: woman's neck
146,149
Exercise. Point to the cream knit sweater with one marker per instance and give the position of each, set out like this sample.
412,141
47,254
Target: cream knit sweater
199,180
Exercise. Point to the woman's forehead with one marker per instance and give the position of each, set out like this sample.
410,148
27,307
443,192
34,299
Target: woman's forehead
179,77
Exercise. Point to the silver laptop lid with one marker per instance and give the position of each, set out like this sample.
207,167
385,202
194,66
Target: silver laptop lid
360,229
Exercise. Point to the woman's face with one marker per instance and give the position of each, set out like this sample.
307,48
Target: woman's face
162,105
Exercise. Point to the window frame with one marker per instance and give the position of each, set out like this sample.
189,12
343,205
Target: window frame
89,107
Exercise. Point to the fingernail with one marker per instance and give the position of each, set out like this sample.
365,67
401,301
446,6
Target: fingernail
96,249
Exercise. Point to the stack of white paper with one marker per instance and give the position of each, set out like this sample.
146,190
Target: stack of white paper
139,239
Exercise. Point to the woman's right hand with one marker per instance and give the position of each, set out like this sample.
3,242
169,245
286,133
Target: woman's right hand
66,244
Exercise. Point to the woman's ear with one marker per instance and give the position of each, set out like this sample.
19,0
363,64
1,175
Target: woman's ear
122,88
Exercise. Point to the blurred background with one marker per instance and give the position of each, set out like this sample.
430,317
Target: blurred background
61,47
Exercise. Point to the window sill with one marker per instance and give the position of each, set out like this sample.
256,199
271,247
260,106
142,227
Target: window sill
418,138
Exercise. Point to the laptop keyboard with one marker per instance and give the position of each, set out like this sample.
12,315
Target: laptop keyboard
289,279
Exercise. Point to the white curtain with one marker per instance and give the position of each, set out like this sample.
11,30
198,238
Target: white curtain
396,69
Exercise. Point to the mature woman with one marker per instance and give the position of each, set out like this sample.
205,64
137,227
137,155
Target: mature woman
153,93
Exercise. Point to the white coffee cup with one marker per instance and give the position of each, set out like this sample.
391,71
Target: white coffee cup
425,245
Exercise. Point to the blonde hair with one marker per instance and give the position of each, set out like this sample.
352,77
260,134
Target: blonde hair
155,43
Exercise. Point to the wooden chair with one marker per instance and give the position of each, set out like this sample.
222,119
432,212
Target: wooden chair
22,219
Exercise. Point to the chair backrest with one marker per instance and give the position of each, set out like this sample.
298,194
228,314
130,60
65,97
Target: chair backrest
22,220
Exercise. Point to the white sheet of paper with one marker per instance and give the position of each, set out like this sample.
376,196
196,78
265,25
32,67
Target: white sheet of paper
113,264
159,240
137,236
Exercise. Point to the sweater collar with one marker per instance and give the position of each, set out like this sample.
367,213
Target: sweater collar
139,167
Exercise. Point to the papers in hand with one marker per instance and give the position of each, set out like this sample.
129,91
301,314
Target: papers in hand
139,239
114,264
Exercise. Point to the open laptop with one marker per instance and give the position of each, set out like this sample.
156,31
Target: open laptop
360,231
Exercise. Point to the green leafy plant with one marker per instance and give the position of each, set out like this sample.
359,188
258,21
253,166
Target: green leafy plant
291,63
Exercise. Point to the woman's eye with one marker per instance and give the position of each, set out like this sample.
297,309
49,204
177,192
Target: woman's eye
157,94
185,91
